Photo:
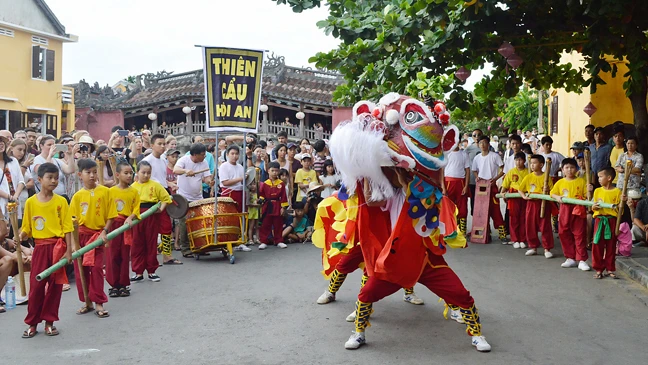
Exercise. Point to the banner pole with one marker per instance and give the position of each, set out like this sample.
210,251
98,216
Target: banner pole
216,189
244,225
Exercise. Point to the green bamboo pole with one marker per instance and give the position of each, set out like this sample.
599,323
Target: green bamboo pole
91,246
586,203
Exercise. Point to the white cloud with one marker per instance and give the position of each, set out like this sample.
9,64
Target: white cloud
118,38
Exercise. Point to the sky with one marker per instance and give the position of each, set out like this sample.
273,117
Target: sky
119,38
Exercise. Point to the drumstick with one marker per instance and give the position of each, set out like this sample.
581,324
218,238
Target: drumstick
588,172
626,177
545,190
77,246
100,171
13,217
201,171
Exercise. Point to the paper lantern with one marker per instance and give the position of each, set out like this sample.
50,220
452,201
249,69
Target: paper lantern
506,50
462,73
514,61
590,109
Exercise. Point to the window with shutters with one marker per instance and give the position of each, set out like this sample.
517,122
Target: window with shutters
43,61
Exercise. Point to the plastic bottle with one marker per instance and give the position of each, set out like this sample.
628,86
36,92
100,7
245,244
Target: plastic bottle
10,293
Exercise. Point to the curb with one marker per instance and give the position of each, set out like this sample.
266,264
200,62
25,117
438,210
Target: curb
635,270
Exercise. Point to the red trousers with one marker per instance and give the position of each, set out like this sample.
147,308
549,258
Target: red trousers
535,224
117,264
350,262
271,224
604,252
144,249
94,275
237,196
44,296
454,189
572,231
494,211
517,209
436,276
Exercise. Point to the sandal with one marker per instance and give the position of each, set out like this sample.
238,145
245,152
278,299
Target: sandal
51,331
66,287
113,292
102,314
2,309
612,275
173,262
188,255
123,292
598,275
84,310
30,332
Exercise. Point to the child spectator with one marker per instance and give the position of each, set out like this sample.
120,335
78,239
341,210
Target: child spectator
284,176
604,247
572,218
456,177
298,230
253,214
172,180
48,221
517,207
304,177
329,179
556,158
320,156
273,194
231,176
487,166
534,183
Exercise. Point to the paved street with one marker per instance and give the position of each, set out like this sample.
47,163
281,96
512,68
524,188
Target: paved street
262,311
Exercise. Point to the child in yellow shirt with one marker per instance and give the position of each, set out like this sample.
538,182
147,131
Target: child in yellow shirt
516,207
534,183
604,247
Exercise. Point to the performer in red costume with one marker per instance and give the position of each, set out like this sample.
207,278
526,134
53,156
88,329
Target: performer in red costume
391,154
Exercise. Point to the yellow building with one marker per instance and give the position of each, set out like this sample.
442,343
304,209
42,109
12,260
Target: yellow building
31,82
567,120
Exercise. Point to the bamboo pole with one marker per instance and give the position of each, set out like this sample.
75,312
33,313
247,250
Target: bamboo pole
76,254
100,172
77,246
545,189
626,177
12,207
113,166
588,171
586,203
529,163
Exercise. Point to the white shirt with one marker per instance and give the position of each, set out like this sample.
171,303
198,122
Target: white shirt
556,160
191,187
158,169
458,162
227,171
394,206
16,179
487,167
60,189
509,162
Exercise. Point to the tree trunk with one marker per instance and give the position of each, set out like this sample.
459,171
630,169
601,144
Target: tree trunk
638,102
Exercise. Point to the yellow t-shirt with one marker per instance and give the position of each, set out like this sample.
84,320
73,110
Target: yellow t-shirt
513,179
93,208
574,189
614,157
152,192
533,183
611,196
127,201
47,220
304,177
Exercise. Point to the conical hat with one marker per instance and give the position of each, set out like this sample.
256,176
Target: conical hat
19,298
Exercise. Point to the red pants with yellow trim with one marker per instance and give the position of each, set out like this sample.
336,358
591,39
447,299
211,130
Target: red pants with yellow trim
604,252
117,264
535,224
517,209
144,250
572,230
271,224
94,275
436,276
454,189
350,262
44,296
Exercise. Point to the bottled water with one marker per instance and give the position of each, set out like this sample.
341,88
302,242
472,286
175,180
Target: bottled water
10,293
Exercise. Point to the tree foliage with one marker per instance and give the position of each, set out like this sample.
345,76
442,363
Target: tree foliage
386,43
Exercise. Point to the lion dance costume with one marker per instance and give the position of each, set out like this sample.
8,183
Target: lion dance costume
390,156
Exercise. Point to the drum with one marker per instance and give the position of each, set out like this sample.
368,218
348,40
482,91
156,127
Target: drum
200,223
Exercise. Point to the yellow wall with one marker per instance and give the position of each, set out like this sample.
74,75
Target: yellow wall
16,76
609,100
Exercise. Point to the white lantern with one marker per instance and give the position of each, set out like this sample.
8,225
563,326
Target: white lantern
300,115
263,108
152,116
186,110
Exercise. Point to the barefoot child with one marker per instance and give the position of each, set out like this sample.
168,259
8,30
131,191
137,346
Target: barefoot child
534,183
46,220
95,211
273,193
127,203
604,247
572,218
253,212
144,249
517,207
298,231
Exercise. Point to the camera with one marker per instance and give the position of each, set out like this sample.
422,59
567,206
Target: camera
312,195
83,148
